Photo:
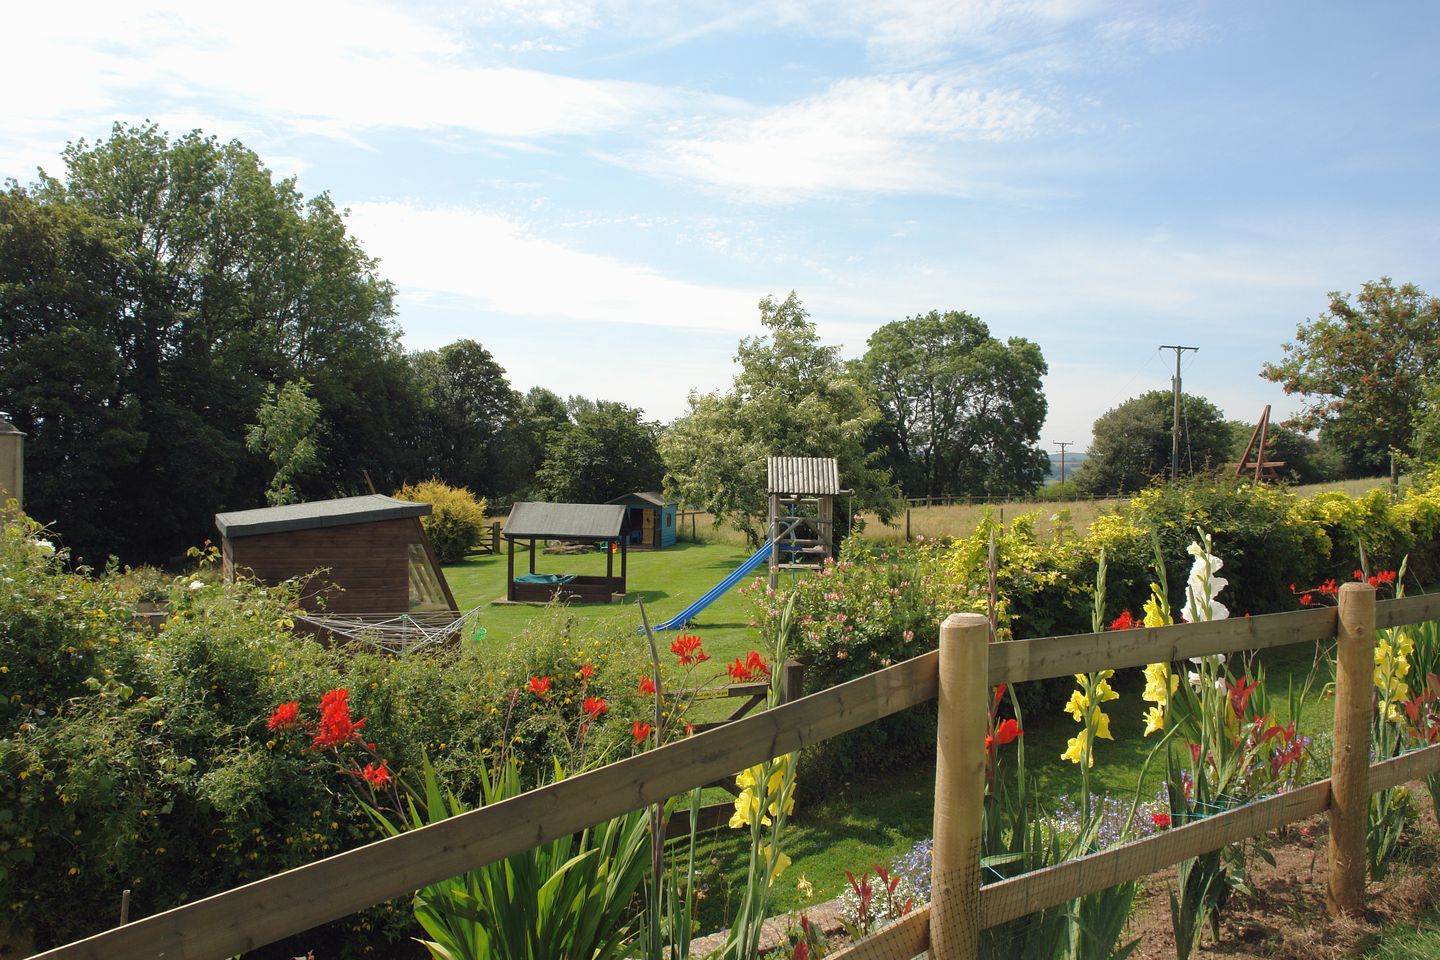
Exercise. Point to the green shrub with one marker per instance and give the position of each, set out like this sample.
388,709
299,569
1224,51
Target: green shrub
456,521
875,606
144,760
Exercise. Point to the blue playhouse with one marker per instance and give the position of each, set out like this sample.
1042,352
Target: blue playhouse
650,519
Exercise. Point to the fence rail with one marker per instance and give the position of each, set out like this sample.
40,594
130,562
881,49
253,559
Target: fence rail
267,910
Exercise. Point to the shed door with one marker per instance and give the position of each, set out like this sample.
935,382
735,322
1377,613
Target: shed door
648,525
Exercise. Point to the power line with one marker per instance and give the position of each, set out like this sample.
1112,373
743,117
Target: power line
1175,426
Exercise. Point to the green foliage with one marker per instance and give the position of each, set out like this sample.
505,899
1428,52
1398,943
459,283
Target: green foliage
568,899
286,429
146,300
962,410
1362,367
468,407
874,607
792,397
607,452
456,520
139,760
1132,443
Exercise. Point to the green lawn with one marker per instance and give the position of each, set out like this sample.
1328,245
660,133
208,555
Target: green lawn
666,581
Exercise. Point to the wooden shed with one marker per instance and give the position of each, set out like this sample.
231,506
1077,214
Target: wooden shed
373,552
585,523
651,519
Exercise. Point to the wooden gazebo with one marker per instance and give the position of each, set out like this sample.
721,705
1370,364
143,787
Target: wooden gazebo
589,523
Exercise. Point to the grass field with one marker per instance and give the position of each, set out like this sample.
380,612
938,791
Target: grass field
666,581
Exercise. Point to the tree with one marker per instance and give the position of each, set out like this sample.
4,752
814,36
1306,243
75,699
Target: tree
1131,443
287,430
608,451
524,440
792,397
963,411
63,278
219,281
1361,367
467,405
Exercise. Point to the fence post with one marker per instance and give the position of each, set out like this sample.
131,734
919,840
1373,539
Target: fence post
959,786
792,681
1350,764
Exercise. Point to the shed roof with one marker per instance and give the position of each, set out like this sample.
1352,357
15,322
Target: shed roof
806,476
650,497
321,513
565,521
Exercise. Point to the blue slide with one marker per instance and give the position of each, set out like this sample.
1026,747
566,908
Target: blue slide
714,593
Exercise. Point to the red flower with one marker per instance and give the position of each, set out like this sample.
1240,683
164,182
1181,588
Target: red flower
751,668
1161,820
1007,731
594,706
377,776
647,686
687,648
286,716
1240,695
1124,622
999,692
640,731
587,670
336,727
1306,599
540,686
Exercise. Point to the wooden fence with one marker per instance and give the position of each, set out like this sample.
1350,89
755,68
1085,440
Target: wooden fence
267,910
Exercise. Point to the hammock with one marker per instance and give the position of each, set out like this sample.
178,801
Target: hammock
396,632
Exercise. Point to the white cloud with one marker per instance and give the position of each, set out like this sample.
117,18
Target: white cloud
882,134
331,67
497,263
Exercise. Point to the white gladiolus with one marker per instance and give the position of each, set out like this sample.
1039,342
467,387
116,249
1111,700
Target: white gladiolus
1203,586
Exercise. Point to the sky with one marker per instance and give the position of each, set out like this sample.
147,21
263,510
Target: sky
600,192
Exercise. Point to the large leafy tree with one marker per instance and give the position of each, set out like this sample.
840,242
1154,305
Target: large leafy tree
1131,444
222,281
468,404
963,410
791,397
63,278
608,451
1361,367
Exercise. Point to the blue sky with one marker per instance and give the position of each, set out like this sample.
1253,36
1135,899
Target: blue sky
600,192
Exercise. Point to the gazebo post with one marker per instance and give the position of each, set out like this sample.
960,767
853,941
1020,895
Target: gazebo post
610,560
623,553
510,570
534,549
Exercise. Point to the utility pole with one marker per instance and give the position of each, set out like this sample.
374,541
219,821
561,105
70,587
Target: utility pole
1175,427
1062,444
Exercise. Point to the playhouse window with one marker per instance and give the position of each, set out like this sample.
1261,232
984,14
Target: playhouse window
425,591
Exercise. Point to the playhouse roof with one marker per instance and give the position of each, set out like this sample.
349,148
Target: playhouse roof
321,513
806,476
650,497
565,521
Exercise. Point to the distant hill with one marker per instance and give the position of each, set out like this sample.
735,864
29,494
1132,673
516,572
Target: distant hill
1073,459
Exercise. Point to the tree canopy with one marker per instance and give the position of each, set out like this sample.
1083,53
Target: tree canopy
1362,367
1132,442
963,411
791,397
172,282
467,406
608,451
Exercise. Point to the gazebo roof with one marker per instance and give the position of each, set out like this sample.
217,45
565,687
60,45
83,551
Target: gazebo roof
565,521
650,497
321,513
